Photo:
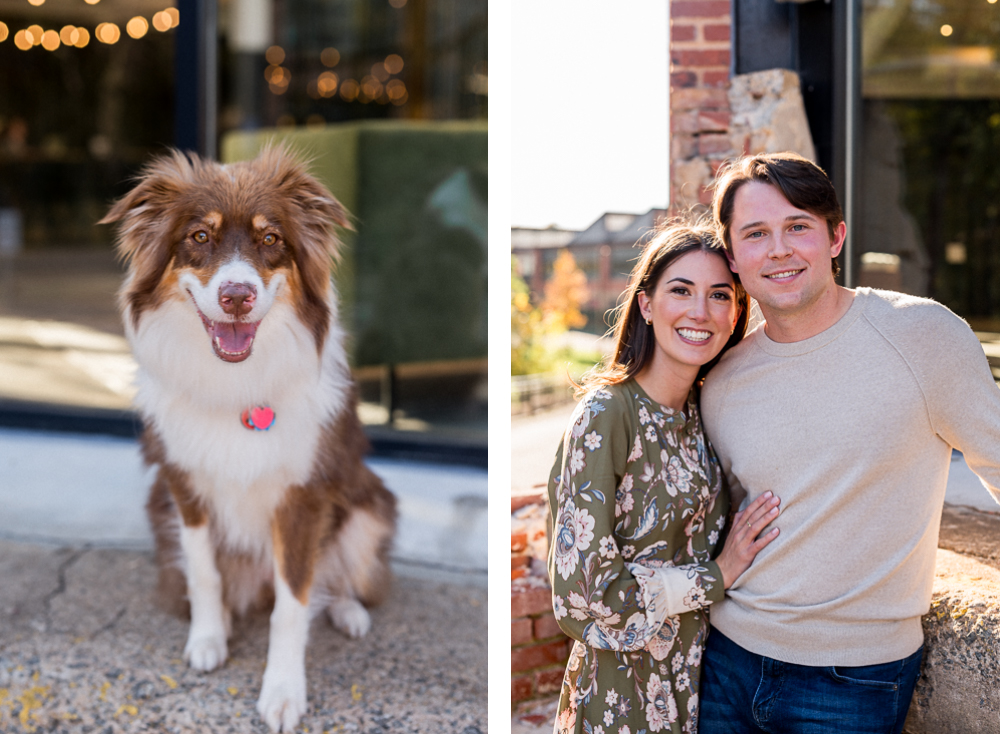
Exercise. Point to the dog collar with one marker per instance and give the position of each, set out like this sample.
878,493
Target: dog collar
258,418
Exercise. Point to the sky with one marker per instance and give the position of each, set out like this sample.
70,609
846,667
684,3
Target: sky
589,85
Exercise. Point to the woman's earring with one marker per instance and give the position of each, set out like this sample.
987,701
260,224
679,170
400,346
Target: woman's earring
649,322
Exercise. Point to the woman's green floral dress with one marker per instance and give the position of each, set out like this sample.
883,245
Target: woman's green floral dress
635,486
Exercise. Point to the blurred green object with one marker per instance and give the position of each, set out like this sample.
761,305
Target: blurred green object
413,277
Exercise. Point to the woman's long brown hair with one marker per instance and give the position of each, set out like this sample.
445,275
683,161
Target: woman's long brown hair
634,339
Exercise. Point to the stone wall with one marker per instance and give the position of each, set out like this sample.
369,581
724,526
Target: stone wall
958,692
714,118
700,50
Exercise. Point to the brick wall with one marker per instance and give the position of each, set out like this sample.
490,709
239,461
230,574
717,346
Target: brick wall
700,118
539,649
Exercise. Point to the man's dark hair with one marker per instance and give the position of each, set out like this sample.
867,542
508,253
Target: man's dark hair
802,182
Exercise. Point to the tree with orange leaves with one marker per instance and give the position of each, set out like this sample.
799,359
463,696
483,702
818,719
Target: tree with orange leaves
565,293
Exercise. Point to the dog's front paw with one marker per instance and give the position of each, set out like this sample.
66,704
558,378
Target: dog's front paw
205,653
349,616
282,700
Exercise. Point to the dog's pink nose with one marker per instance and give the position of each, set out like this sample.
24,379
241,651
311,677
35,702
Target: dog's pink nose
237,299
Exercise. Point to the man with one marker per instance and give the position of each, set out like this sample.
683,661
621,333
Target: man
846,404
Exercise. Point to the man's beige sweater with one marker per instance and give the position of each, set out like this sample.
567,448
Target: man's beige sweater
853,430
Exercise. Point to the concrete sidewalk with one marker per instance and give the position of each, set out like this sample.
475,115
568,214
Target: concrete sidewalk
83,648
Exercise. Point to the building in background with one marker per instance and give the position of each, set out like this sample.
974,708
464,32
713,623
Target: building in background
605,251
534,249
902,105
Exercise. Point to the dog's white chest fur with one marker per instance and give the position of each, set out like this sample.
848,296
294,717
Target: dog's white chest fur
194,401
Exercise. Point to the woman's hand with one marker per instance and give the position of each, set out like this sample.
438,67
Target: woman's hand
743,543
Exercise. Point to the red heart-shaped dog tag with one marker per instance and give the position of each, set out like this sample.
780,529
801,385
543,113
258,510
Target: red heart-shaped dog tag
262,417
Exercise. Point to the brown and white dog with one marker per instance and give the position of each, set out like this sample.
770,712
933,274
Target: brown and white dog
249,409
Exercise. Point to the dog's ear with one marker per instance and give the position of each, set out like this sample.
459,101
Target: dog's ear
150,189
315,239
144,212
159,184
314,198
148,214
300,188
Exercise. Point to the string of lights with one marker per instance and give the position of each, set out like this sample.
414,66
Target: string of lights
380,85
79,37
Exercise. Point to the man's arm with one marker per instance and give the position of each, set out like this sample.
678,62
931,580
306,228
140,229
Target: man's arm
963,400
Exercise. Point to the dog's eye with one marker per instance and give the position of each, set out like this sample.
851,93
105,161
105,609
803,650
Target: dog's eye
270,239
201,237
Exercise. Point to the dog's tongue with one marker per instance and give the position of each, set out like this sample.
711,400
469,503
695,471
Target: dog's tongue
234,337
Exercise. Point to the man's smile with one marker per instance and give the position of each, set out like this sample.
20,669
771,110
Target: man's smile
783,274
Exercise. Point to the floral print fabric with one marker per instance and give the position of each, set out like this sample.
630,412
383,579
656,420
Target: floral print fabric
635,493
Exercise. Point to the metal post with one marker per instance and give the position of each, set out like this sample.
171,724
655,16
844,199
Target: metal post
849,29
196,74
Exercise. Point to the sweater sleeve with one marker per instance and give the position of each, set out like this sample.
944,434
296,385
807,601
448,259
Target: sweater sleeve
673,590
597,598
963,400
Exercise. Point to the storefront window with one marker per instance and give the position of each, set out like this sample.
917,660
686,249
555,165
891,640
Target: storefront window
88,97
316,61
930,126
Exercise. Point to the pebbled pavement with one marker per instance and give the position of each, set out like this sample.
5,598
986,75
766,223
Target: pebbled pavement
83,648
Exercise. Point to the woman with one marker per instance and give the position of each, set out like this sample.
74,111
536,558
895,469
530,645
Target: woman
636,497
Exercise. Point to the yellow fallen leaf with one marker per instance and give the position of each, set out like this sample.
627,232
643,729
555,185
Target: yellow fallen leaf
104,690
31,699
169,681
355,691
233,690
127,708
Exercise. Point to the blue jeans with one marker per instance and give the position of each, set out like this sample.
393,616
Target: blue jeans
744,693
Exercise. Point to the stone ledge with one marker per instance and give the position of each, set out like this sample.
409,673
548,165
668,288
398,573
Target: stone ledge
958,691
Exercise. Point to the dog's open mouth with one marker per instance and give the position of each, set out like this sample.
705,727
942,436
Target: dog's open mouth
231,340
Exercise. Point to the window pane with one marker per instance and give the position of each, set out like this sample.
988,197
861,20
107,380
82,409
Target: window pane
931,135
85,99
77,122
